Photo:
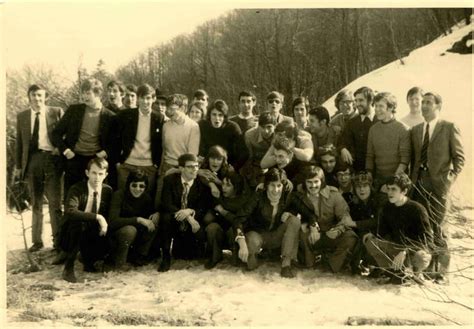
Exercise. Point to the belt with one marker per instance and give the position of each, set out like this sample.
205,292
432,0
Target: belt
43,151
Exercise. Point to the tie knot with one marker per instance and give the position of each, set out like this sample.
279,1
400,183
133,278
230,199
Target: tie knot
95,193
37,113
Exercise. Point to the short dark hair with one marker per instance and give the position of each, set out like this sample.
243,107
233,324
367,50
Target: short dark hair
300,100
247,93
99,162
282,144
266,118
401,180
437,97
389,99
136,176
274,175
311,172
343,166
289,128
92,84
201,93
340,95
34,88
117,83
220,106
159,94
145,90
183,158
237,181
415,90
327,149
277,95
321,113
217,151
367,93
131,87
175,99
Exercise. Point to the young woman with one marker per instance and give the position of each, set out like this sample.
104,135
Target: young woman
196,111
214,167
300,109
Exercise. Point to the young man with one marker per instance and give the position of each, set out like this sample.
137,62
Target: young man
322,133
85,219
327,159
139,138
246,119
115,94
130,98
344,181
284,159
299,109
264,223
275,104
201,96
39,162
344,103
85,132
437,159
185,201
388,144
353,142
160,104
414,98
404,233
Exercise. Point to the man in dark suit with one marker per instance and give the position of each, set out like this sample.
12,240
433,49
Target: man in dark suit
85,225
437,159
139,136
185,201
38,161
85,132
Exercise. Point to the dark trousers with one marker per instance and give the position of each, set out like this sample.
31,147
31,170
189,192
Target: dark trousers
75,171
220,234
129,238
44,178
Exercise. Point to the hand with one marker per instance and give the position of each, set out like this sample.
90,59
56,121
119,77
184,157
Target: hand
243,251
155,218
347,221
399,260
207,174
333,233
103,225
17,173
194,224
102,154
147,223
69,154
285,216
215,191
346,156
288,186
314,235
259,187
384,189
219,209
181,215
368,236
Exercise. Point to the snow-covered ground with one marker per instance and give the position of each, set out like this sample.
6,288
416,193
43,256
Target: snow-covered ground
190,295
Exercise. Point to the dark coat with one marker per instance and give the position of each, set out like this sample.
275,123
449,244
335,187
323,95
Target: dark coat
76,202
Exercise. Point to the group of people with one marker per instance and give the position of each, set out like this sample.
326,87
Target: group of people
150,176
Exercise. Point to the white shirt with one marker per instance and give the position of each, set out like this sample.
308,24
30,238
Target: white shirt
190,183
43,139
370,116
90,197
432,127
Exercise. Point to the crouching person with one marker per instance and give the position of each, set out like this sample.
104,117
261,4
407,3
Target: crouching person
329,233
85,225
267,225
404,237
130,229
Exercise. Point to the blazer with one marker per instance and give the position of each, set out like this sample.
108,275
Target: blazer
127,122
23,134
77,200
199,196
445,155
66,133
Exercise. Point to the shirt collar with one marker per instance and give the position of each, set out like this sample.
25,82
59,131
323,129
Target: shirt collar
190,183
370,116
91,189
432,123
140,113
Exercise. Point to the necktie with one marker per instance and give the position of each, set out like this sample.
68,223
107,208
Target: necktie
94,202
424,147
35,135
184,205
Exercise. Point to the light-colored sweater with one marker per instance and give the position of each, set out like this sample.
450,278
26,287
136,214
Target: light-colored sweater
179,139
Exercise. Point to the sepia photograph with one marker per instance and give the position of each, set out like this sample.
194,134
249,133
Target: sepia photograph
237,163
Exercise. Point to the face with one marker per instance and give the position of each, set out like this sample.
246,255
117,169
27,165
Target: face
145,103
314,124
346,105
395,193
363,191
414,102
137,189
201,99
344,178
96,176
114,94
91,99
160,105
195,114
328,162
313,185
172,110
382,112
228,189
299,112
282,158
267,131
190,170
361,104
274,189
274,106
429,108
246,104
37,99
130,99
215,164
217,118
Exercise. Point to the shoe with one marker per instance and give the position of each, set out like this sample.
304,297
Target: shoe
210,263
68,275
60,258
36,246
139,261
287,272
164,265
90,268
252,262
441,279
123,268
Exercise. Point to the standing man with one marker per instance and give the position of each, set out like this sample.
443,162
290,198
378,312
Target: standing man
39,162
437,159
130,98
274,105
353,144
85,132
115,94
414,97
139,135
322,133
345,109
246,119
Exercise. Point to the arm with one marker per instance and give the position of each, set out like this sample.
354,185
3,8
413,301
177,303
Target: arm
194,140
456,148
60,130
18,144
167,204
404,149
295,207
369,157
248,144
268,159
305,150
115,221
71,207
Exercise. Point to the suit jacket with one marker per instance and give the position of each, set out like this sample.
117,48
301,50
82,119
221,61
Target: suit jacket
127,122
445,155
199,196
66,133
77,200
23,134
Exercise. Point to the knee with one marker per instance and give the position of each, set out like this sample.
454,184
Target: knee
254,241
126,234
209,217
294,222
213,229
421,260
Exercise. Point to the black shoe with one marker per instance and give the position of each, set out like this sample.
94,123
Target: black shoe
441,279
36,246
90,268
287,272
60,258
68,275
139,261
210,263
164,265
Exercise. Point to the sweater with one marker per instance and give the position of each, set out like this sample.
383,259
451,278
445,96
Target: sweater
179,139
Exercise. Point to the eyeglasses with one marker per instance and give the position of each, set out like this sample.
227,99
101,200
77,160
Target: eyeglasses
195,166
327,148
276,101
138,185
343,174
